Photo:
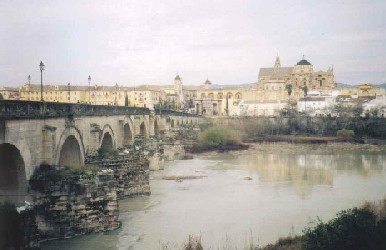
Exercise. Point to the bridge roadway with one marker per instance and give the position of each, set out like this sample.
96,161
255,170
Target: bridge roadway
35,133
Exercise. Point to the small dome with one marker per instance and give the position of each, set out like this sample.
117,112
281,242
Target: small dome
177,78
303,62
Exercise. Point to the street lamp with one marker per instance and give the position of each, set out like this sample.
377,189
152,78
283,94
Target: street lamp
29,87
89,93
41,65
116,94
69,89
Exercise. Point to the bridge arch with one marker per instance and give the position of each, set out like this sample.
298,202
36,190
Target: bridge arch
13,178
107,140
128,137
142,125
156,127
70,150
143,130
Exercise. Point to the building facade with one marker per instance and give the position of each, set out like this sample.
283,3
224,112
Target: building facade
276,88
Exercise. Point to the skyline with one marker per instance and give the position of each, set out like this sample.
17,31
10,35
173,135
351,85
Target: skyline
133,42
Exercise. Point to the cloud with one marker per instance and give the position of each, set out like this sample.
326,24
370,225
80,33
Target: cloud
134,42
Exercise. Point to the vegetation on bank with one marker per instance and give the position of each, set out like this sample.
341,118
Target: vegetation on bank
216,138
304,139
356,228
57,173
345,133
254,128
352,229
45,174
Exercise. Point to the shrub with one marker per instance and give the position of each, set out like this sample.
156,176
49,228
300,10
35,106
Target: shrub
52,173
108,153
216,137
194,243
345,133
351,229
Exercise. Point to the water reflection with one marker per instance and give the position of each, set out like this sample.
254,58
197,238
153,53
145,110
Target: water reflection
304,166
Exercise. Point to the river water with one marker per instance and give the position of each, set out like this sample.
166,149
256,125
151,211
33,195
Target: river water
258,195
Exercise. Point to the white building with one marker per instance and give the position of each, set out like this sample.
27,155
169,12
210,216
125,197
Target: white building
316,106
269,108
378,105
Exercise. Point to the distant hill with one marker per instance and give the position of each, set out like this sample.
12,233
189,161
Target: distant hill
344,85
382,85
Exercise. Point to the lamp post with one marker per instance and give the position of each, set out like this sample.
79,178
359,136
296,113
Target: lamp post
116,94
69,89
41,66
89,90
29,87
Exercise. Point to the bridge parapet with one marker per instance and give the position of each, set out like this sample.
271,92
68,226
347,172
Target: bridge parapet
174,113
31,109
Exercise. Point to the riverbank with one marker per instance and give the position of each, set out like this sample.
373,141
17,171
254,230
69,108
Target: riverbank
220,148
304,139
361,227
309,147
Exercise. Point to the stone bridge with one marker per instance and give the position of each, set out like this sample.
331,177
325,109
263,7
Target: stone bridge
35,133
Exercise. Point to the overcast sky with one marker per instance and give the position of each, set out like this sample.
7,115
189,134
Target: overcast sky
149,42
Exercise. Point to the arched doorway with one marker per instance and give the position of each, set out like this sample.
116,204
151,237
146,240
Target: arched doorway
198,109
156,128
215,109
13,182
107,142
142,130
127,135
70,154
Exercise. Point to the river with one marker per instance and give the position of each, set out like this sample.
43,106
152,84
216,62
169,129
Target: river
258,195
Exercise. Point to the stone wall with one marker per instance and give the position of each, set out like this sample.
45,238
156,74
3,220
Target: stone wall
131,173
75,205
175,151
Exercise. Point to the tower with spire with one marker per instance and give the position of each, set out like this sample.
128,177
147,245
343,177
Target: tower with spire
178,91
277,62
177,84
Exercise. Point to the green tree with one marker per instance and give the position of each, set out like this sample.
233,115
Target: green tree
305,90
288,87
